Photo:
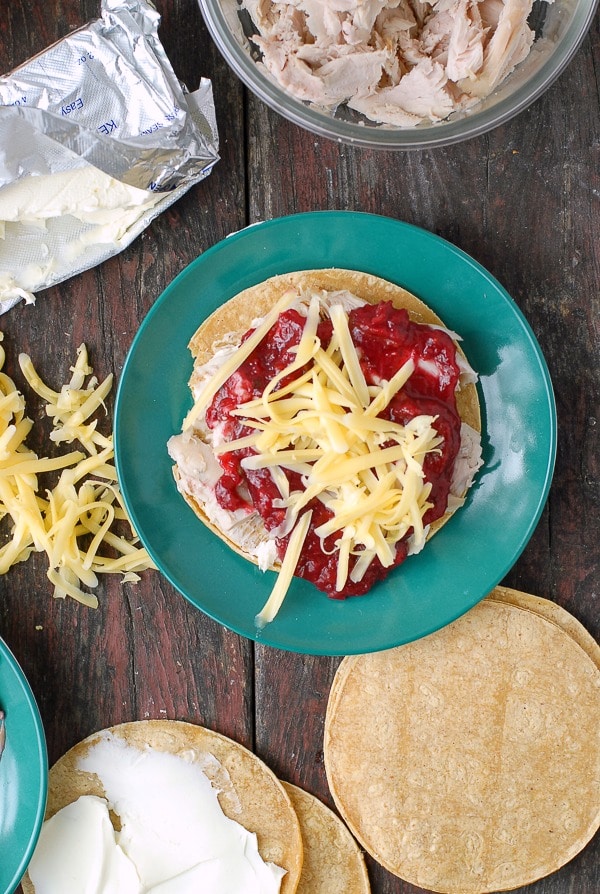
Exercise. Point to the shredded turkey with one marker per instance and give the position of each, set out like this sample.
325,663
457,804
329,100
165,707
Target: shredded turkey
397,62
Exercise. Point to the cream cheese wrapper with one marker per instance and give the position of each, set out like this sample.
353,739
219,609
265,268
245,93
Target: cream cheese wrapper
97,137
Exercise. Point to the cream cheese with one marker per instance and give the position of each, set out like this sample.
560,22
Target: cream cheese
173,833
77,853
86,193
48,223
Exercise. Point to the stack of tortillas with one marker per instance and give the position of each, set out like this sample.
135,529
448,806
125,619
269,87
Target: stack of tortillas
469,761
294,829
333,863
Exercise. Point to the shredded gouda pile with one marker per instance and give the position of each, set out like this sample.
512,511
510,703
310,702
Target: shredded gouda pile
75,520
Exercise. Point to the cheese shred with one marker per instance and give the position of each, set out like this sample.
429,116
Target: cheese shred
74,521
286,572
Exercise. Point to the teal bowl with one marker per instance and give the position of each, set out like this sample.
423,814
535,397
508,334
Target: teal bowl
23,773
474,550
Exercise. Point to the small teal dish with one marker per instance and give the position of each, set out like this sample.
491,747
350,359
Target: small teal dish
23,773
466,559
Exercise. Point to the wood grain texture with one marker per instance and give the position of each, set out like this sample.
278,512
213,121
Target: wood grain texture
523,200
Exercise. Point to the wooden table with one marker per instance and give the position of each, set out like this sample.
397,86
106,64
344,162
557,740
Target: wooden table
523,200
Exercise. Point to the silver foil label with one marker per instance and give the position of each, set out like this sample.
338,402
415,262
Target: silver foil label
105,101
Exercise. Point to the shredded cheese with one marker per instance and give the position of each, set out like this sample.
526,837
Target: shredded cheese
286,572
74,521
326,425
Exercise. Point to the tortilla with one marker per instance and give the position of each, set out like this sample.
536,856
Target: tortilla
250,793
554,613
469,761
238,314
333,862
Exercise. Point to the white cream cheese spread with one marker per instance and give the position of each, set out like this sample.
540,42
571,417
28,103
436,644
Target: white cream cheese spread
86,193
77,853
173,838
57,217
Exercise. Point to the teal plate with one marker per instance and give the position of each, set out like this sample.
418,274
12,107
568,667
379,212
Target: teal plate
465,560
23,773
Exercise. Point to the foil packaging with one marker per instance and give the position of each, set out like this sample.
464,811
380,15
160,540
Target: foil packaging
97,137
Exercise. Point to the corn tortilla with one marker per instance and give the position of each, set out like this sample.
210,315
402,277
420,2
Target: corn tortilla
333,863
237,315
544,607
554,613
249,793
469,761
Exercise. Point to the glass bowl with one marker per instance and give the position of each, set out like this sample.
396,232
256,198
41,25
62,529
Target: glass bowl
559,27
